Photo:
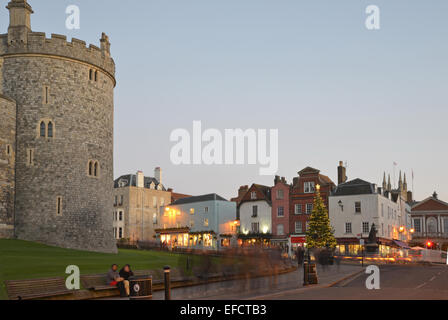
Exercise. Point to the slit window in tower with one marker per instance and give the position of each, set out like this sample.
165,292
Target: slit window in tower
59,206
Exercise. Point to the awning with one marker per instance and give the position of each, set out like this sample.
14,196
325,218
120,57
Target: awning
401,244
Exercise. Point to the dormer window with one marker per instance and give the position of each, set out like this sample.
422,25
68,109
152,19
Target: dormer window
253,195
309,187
122,183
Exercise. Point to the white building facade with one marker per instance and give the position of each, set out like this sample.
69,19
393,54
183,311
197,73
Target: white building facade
357,205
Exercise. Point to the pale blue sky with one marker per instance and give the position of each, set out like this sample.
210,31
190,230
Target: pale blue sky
335,90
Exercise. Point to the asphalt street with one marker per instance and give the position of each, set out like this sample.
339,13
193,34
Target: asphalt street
397,282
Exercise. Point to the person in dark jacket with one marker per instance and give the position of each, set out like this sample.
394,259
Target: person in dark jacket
125,274
114,279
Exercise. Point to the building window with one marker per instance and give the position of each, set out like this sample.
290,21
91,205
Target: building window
280,194
59,206
254,211
162,202
309,208
365,227
120,233
154,218
116,201
43,129
298,209
280,212
91,74
191,223
120,216
30,157
46,95
154,202
96,75
206,209
115,233
280,230
298,227
205,222
348,227
253,195
255,227
308,187
191,210
121,200
8,149
93,168
445,226
50,130
357,207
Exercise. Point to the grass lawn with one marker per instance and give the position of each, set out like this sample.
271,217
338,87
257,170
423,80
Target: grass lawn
29,260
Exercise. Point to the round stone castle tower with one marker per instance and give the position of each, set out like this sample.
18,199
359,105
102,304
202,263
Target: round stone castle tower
62,93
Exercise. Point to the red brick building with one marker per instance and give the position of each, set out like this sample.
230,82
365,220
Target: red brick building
301,201
280,211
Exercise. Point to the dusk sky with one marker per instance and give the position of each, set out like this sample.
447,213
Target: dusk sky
311,69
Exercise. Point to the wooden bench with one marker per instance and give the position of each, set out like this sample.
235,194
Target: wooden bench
36,288
96,282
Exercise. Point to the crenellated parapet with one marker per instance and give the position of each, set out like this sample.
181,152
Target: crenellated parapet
57,46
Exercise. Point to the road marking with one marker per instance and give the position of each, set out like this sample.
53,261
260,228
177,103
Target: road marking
432,278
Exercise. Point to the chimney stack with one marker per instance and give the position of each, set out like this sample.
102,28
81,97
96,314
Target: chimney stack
276,180
158,174
242,191
140,179
342,177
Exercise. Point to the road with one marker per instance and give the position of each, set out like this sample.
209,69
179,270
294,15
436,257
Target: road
397,282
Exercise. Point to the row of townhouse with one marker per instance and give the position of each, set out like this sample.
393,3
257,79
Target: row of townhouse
279,215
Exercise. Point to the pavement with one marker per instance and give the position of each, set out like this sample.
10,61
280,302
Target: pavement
260,288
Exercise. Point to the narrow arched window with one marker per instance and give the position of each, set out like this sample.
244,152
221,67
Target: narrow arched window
43,129
96,170
90,74
90,168
96,75
50,130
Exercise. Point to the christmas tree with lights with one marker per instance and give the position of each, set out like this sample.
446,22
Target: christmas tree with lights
320,234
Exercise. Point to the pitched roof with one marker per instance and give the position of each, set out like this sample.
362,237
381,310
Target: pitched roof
265,192
354,187
205,197
430,204
308,170
130,180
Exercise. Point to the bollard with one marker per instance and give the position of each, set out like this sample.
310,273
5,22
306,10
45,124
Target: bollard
167,271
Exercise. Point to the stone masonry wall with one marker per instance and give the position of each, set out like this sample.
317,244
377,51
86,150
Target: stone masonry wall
7,161
81,111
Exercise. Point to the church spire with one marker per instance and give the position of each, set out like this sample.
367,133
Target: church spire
389,185
384,182
400,183
405,183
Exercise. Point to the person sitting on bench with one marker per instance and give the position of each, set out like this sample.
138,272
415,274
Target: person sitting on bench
114,279
126,273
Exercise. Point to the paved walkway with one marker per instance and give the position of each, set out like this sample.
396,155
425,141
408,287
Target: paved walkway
257,288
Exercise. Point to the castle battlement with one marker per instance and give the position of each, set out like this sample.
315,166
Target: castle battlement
57,45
